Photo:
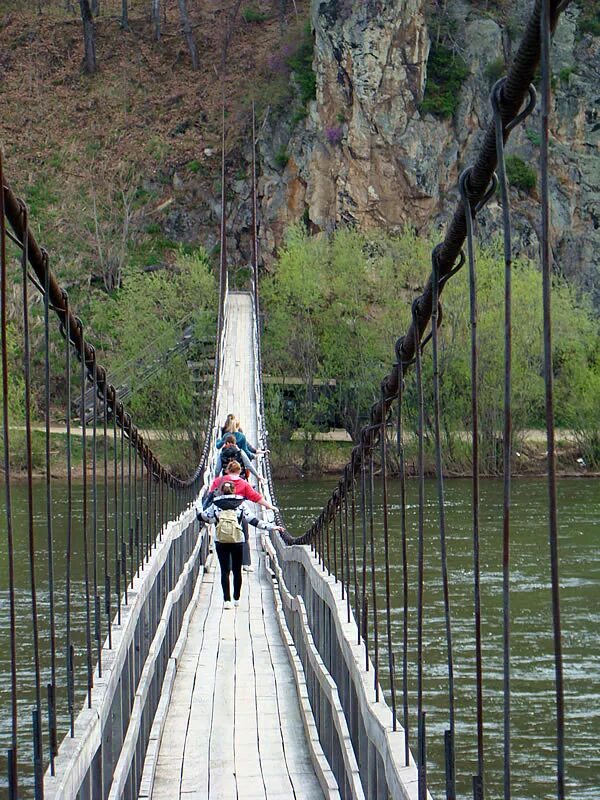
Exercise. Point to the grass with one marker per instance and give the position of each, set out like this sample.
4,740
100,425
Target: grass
282,157
251,14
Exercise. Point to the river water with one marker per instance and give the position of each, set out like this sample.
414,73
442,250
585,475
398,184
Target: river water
532,710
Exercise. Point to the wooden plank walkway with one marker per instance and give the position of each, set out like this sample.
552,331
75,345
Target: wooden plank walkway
234,728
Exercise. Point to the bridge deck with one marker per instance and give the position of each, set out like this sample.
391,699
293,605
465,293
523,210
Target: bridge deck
234,727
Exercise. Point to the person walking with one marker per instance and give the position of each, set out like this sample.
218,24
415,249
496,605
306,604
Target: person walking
227,512
244,491
230,451
232,426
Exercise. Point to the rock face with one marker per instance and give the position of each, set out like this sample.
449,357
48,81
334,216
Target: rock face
366,155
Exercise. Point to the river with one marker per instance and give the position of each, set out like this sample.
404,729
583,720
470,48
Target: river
532,714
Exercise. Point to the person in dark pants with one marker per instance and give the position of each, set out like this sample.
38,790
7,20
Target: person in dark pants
227,512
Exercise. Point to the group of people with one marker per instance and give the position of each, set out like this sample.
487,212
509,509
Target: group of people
227,506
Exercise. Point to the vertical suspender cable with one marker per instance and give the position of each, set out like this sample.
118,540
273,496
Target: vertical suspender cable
546,258
363,516
69,652
347,545
122,490
449,734
373,577
115,482
86,567
37,731
478,785
357,607
107,604
386,545
422,767
97,613
402,470
53,738
130,508
12,753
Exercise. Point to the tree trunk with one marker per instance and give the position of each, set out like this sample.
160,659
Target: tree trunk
188,33
89,36
124,16
156,18
95,8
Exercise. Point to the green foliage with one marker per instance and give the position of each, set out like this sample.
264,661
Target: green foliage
16,383
495,69
282,157
565,73
147,316
301,64
332,312
589,17
446,72
519,174
195,166
534,136
250,14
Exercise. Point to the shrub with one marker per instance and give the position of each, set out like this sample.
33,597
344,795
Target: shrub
533,136
589,17
194,166
565,74
519,174
250,14
282,157
446,73
300,63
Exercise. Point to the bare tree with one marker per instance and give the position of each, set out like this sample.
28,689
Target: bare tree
124,15
155,16
229,31
188,33
95,8
112,231
89,36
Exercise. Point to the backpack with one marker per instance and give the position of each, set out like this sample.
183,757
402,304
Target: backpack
229,530
232,453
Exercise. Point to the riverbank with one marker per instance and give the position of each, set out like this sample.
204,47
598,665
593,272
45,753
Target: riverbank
294,459
290,461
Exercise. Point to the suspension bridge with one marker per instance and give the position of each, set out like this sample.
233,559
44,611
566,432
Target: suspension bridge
169,695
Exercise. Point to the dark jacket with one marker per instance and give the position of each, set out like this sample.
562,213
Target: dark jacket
241,441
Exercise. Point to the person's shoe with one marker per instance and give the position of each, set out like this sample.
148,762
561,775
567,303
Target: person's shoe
236,603
227,604
248,568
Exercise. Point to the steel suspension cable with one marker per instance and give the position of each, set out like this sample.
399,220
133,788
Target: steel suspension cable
450,732
13,778
51,689
86,567
404,545
68,640
37,732
422,765
546,259
97,612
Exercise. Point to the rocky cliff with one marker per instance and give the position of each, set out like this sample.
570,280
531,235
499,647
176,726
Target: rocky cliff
368,154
